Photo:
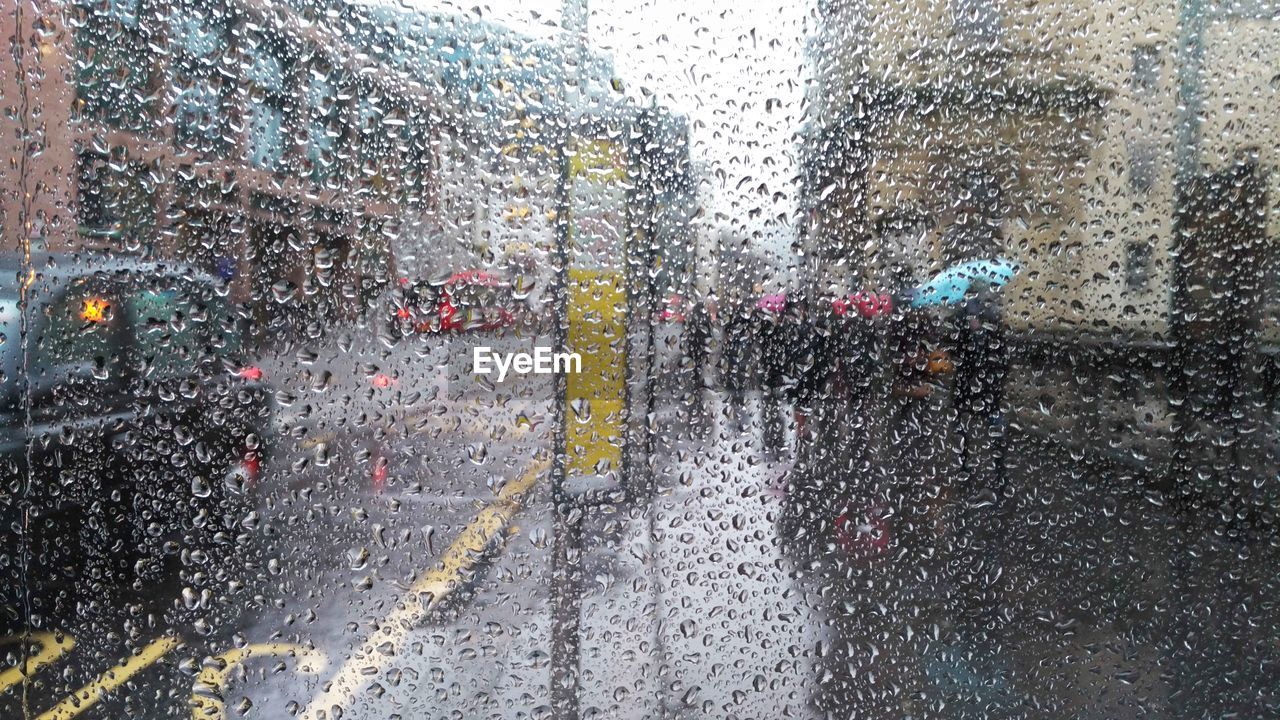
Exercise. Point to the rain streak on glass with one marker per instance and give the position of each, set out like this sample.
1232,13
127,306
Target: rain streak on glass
572,359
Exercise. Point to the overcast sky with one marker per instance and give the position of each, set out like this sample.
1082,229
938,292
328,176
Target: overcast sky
734,67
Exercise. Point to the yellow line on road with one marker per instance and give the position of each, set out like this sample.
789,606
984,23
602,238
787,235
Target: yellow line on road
465,423
89,695
207,702
51,647
427,593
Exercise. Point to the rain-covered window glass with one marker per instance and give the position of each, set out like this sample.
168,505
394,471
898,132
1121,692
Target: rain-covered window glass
568,359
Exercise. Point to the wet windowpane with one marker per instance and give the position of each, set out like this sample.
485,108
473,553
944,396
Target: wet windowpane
566,360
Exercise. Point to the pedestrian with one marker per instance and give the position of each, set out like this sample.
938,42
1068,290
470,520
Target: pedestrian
774,343
856,346
875,539
736,357
809,363
982,512
915,434
800,354
697,336
981,367
812,384
803,373
697,339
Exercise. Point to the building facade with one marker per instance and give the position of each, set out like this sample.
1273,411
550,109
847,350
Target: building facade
1066,135
246,138
1124,154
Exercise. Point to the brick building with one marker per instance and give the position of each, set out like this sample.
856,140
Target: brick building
245,137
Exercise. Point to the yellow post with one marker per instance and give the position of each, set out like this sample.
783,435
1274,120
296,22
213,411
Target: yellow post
596,297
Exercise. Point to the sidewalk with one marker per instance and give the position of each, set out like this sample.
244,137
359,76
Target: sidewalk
691,612
1063,611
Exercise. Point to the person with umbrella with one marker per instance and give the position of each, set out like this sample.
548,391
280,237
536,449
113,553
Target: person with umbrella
976,529
736,356
697,337
980,357
982,364
776,337
808,365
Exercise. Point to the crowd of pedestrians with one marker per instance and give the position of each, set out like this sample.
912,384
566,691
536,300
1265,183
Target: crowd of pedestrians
867,365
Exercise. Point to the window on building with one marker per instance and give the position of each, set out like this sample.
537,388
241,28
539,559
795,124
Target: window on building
1137,265
1142,165
266,68
977,22
117,69
1251,9
117,201
904,236
1147,69
387,146
326,132
199,41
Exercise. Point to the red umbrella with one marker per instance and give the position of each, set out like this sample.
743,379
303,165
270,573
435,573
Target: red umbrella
866,303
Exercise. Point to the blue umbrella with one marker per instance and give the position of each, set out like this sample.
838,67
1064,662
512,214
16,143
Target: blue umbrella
950,286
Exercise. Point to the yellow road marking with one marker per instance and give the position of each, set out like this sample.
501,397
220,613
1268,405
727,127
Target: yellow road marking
51,647
427,593
89,695
472,427
207,702
316,440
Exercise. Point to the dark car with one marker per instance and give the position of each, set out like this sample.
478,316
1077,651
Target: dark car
130,423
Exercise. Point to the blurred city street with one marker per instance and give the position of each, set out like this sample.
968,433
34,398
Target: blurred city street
675,359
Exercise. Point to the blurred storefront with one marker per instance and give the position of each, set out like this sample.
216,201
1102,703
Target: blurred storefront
1076,129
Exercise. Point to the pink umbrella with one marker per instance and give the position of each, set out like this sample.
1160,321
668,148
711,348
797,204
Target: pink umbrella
775,303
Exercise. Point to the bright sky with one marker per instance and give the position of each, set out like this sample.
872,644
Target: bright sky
734,67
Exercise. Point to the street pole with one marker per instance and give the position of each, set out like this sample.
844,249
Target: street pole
1190,62
566,609
1190,59
566,572
566,596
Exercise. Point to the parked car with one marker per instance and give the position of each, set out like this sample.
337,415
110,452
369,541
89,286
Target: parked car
476,300
130,418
